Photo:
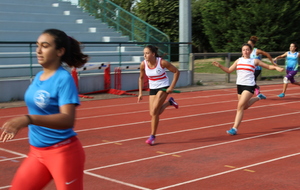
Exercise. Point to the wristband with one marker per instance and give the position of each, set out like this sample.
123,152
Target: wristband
29,118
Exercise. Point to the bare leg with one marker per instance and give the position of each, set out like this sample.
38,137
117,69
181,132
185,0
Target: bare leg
245,101
285,85
164,106
296,83
157,106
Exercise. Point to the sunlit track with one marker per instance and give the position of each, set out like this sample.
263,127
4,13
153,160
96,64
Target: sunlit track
10,159
194,149
5,187
116,181
145,102
192,129
233,170
13,152
180,117
174,132
164,119
140,111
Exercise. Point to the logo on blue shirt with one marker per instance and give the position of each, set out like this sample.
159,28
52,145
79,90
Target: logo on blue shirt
42,98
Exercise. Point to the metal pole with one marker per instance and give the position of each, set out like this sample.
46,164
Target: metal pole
185,32
192,65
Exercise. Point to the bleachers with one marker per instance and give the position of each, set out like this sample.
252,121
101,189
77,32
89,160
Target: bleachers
24,20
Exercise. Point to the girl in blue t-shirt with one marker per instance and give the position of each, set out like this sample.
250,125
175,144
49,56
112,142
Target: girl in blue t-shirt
55,152
291,66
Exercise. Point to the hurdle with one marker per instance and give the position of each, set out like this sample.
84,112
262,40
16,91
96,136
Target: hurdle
118,84
105,66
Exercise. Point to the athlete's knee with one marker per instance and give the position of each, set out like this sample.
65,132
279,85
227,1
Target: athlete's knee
154,112
285,80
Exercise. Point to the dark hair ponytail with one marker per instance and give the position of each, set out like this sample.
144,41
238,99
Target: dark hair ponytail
296,45
253,39
153,49
73,55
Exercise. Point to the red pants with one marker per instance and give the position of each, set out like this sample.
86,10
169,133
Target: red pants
63,162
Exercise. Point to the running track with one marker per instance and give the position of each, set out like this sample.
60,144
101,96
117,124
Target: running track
192,149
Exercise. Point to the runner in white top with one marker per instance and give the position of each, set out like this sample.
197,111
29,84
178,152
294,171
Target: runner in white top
245,67
155,69
157,76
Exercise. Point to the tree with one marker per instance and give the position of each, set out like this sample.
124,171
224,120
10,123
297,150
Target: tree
199,38
229,23
125,4
163,15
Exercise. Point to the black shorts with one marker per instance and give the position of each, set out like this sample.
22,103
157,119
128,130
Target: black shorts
241,88
256,74
155,91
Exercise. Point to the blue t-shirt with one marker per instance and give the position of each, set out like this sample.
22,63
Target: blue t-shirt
253,55
291,61
44,98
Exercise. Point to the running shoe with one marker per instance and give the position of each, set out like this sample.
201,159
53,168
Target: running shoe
232,131
281,95
257,90
151,140
173,103
261,96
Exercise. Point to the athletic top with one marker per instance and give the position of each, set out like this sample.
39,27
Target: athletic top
254,55
245,72
157,76
44,98
291,61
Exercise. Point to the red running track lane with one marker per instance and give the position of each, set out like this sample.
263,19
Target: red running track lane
192,150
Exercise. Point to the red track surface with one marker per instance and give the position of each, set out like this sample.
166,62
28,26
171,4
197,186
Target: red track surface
192,149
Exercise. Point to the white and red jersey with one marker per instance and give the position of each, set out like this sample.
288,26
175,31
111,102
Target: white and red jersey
158,77
245,72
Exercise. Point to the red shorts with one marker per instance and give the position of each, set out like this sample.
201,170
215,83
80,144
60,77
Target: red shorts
62,162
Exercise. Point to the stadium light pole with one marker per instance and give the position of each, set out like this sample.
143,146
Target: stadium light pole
185,32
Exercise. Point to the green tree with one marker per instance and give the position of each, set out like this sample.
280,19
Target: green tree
199,38
125,4
229,23
163,15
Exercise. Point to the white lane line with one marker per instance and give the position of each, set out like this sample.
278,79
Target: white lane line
133,112
12,159
146,102
180,117
13,152
5,187
141,122
229,171
192,149
191,129
115,181
128,104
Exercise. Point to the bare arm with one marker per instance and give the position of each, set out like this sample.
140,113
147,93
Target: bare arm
258,51
173,69
63,120
266,66
280,56
141,81
227,70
